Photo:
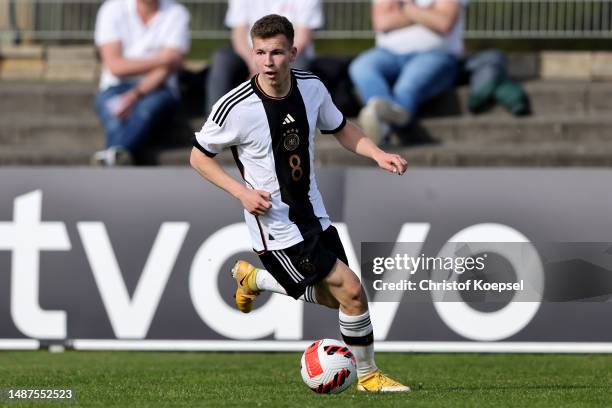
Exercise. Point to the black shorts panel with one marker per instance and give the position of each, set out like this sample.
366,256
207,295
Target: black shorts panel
331,240
306,263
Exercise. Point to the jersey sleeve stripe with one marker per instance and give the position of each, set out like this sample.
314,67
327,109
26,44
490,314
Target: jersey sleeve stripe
300,74
301,71
229,99
232,93
201,148
308,77
336,130
231,106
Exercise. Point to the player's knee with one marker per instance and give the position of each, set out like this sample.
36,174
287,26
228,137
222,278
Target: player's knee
355,297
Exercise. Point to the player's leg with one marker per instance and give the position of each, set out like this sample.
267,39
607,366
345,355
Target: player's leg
251,281
354,317
357,330
295,271
340,289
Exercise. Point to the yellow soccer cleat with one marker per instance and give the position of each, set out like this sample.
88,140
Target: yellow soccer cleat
244,273
378,382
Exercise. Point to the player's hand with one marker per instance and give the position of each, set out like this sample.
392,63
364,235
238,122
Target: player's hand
256,202
393,163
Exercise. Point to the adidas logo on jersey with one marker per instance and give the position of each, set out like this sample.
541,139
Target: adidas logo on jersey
288,119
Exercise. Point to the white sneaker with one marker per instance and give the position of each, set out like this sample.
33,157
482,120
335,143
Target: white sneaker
374,128
98,159
390,112
377,117
113,156
120,156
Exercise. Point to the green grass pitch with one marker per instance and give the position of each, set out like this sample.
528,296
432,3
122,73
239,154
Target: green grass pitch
146,379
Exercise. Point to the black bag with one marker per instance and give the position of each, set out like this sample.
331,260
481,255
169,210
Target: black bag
192,87
333,71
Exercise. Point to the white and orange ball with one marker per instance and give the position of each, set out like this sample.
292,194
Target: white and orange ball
328,366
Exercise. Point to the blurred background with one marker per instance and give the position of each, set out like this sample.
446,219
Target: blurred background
527,159
559,50
137,257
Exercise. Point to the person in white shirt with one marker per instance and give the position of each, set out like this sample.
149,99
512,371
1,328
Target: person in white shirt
230,66
418,46
269,122
141,44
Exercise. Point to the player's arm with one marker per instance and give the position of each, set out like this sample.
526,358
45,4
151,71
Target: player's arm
440,17
388,15
353,139
254,201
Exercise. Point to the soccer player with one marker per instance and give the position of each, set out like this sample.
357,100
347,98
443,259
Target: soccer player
269,123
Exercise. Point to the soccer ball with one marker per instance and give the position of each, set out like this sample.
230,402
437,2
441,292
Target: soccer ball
328,366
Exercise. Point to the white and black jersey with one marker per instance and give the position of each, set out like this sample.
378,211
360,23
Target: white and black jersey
272,140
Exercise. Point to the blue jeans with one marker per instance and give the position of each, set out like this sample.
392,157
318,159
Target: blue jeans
131,132
404,79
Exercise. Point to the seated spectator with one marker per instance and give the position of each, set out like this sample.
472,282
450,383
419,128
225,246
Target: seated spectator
142,44
418,46
231,66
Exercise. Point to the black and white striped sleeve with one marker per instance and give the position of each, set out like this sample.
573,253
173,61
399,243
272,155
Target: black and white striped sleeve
220,131
212,139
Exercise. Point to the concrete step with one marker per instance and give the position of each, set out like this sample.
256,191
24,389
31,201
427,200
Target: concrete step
85,131
452,155
561,154
53,98
50,131
510,155
69,133
492,130
547,97
470,155
38,156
